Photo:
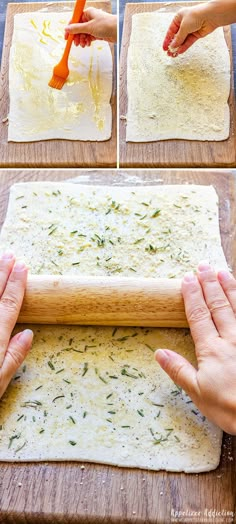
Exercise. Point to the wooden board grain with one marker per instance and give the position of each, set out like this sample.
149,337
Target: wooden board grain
40,493
171,153
51,153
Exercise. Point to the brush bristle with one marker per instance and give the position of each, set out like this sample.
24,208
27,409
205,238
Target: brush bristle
56,82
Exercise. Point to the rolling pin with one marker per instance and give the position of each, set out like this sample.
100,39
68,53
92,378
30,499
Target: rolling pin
104,301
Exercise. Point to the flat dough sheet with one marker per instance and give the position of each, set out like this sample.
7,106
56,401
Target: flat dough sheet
94,393
176,98
81,110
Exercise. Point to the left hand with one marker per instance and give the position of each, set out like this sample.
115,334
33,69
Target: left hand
13,350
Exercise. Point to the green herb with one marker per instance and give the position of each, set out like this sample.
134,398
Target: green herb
114,332
132,269
33,418
149,347
13,438
140,412
68,407
19,197
109,396
125,372
84,414
24,369
32,403
156,213
50,364
21,447
73,420
85,369
73,232
125,426
59,396
177,438
112,376
111,412
19,418
72,442
75,264
39,387
67,381
52,231
42,430
138,240
59,371
109,420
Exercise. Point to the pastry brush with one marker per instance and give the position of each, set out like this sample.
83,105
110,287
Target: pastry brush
61,70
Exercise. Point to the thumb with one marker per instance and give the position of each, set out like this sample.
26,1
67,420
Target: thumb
74,29
178,369
179,38
17,350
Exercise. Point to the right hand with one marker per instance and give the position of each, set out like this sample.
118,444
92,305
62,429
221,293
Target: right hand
188,25
95,25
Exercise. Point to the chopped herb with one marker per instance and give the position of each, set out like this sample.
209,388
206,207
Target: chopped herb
125,372
50,364
19,197
156,213
140,412
20,447
73,420
32,403
24,369
52,231
67,381
42,430
39,387
177,438
19,418
75,264
59,371
111,412
59,396
68,407
125,426
12,438
114,332
84,414
138,240
109,396
85,369
72,442
112,376
73,232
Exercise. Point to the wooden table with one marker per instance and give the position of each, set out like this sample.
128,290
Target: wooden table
171,153
62,492
51,153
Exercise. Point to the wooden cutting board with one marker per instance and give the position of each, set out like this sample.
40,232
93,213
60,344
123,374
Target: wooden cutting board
171,153
62,492
51,153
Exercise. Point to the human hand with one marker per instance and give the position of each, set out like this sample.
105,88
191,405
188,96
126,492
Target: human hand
13,350
188,25
210,305
95,25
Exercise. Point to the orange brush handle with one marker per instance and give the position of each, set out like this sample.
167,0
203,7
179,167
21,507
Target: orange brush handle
77,13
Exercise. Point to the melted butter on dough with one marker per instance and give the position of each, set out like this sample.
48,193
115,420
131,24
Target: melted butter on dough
81,110
184,97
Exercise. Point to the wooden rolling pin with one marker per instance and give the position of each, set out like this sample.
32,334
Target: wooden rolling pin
104,301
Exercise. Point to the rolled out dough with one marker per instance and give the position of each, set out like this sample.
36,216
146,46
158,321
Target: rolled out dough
95,394
81,110
176,98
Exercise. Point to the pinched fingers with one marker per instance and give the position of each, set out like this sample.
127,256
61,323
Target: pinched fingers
217,301
10,305
173,29
198,315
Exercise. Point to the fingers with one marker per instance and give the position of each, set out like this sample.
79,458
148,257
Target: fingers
10,305
180,36
6,264
228,283
81,28
173,29
179,370
198,315
15,355
217,302
190,40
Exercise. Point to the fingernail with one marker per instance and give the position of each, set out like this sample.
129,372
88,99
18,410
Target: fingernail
204,266
19,266
223,275
162,357
190,277
26,337
9,255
